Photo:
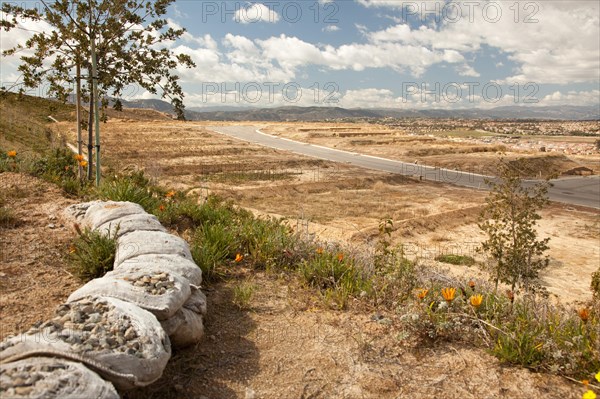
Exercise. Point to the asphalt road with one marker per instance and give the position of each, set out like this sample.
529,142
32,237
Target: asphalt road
584,191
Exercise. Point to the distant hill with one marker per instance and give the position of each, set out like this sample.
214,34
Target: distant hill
223,113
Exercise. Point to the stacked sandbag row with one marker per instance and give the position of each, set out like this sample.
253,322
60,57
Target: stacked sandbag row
120,326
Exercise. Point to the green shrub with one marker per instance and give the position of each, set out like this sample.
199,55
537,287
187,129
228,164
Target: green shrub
528,331
242,295
212,245
134,188
456,259
54,165
7,217
92,254
595,286
335,275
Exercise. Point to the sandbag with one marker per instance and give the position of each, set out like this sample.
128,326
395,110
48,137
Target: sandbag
76,212
50,378
160,293
196,302
150,242
99,213
167,263
127,224
184,328
123,343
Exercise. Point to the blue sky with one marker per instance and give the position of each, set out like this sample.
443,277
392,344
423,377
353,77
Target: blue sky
385,53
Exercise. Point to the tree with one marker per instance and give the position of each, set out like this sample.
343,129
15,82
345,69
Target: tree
509,222
123,35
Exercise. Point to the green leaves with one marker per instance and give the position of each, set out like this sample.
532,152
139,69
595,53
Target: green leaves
509,221
127,34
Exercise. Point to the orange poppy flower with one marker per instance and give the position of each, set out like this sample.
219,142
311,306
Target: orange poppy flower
448,293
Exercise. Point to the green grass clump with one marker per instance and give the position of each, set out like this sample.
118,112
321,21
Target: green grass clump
242,295
334,274
212,245
134,187
456,259
92,254
7,216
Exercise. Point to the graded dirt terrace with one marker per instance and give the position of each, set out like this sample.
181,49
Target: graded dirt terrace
474,151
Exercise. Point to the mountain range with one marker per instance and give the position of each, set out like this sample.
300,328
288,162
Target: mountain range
224,113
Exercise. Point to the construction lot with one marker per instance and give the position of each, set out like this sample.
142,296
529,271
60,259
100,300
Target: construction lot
344,203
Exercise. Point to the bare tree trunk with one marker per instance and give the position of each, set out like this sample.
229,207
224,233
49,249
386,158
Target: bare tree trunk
90,146
78,109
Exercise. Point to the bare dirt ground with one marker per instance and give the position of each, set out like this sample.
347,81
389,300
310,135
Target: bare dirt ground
33,277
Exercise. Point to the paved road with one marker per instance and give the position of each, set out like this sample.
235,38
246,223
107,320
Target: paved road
583,191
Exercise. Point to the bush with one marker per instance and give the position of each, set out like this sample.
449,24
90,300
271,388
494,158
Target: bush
335,275
92,254
242,295
212,245
595,286
7,217
456,259
528,331
134,187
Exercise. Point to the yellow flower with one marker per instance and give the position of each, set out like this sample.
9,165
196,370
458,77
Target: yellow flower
589,395
476,300
422,293
340,257
11,154
598,376
319,250
584,314
79,157
448,293
238,258
170,194
83,164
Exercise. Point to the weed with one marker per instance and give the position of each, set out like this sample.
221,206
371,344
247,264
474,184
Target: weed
335,275
456,259
595,286
242,295
133,187
92,254
212,245
7,217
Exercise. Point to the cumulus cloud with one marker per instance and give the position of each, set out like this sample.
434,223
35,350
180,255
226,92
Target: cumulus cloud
331,28
253,13
549,41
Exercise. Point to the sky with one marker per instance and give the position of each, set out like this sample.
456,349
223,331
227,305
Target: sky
381,53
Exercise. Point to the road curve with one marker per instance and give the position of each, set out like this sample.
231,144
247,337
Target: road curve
583,191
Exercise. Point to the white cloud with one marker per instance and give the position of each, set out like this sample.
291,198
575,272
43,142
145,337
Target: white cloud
591,97
253,13
331,28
